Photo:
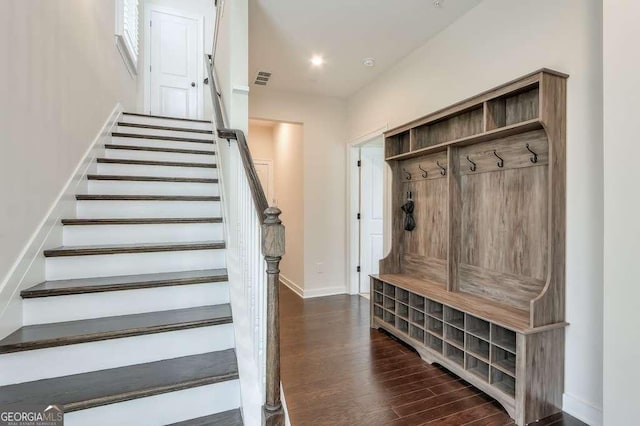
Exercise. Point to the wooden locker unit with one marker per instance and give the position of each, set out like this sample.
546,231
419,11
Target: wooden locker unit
479,285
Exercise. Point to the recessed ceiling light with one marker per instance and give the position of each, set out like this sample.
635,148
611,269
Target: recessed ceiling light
317,60
369,62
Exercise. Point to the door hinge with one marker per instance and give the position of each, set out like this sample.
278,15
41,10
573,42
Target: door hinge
358,216
358,269
359,163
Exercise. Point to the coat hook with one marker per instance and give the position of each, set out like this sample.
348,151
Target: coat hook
533,159
473,165
443,170
424,172
501,162
408,174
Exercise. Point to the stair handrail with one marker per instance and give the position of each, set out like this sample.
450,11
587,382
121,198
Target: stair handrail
273,248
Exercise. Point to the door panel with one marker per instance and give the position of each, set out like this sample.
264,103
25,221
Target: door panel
371,210
174,84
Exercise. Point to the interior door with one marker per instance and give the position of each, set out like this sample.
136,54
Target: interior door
264,170
371,210
174,73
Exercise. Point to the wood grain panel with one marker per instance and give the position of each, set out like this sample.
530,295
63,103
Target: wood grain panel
430,165
504,221
522,107
508,289
464,124
429,268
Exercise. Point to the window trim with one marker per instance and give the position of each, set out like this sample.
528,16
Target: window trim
124,42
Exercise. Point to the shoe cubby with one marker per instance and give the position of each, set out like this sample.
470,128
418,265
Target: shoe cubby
402,310
477,367
478,327
434,309
434,343
416,302
504,338
389,290
416,317
416,333
389,318
434,326
402,325
398,144
477,347
454,354
377,312
454,335
402,296
504,382
378,298
378,285
454,317
389,303
504,360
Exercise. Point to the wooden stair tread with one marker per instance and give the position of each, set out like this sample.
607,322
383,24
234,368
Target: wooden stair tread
132,248
151,179
161,137
168,128
124,282
97,388
91,330
165,117
141,221
158,149
110,197
226,418
156,163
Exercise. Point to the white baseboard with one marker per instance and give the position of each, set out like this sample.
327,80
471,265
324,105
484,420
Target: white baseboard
292,286
582,410
309,294
29,268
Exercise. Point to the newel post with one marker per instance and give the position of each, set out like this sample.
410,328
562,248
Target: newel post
273,250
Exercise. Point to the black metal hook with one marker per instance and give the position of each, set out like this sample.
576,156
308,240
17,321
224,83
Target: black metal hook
533,159
443,171
501,162
408,174
473,165
424,172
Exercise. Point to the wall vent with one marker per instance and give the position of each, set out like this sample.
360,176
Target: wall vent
263,78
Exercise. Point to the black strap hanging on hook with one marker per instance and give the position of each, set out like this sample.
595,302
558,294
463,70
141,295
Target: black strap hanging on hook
408,174
443,171
533,159
501,162
473,165
424,172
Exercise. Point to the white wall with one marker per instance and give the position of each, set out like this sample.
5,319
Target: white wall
495,42
204,8
324,123
61,76
260,141
621,212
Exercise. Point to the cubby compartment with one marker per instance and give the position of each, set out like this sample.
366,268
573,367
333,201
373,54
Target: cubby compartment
389,303
505,360
389,290
454,317
504,382
458,126
454,335
478,347
389,318
504,338
402,325
514,108
416,317
377,312
434,326
434,309
416,333
454,354
478,327
377,298
477,367
402,310
397,144
434,343
416,301
378,285
402,296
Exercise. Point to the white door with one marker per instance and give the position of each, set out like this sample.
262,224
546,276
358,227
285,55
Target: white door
264,169
371,209
176,65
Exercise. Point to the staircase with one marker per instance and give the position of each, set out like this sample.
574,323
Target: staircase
133,325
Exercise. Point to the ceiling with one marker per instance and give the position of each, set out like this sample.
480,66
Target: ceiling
285,34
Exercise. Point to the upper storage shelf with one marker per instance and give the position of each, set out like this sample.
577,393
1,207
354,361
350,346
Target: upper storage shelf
508,110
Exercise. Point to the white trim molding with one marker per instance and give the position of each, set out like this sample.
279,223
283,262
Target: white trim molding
582,410
127,33
292,286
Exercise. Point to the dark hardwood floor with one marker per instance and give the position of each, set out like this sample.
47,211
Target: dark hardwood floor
338,371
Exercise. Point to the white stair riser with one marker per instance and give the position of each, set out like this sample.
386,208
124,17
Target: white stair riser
60,361
74,307
127,154
138,209
116,140
78,235
162,409
164,133
161,171
165,122
70,267
117,187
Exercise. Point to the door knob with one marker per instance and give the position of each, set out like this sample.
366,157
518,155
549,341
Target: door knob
193,84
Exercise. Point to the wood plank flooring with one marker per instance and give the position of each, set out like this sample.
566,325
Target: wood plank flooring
337,371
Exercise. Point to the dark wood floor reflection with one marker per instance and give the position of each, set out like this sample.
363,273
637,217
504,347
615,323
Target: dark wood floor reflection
337,371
